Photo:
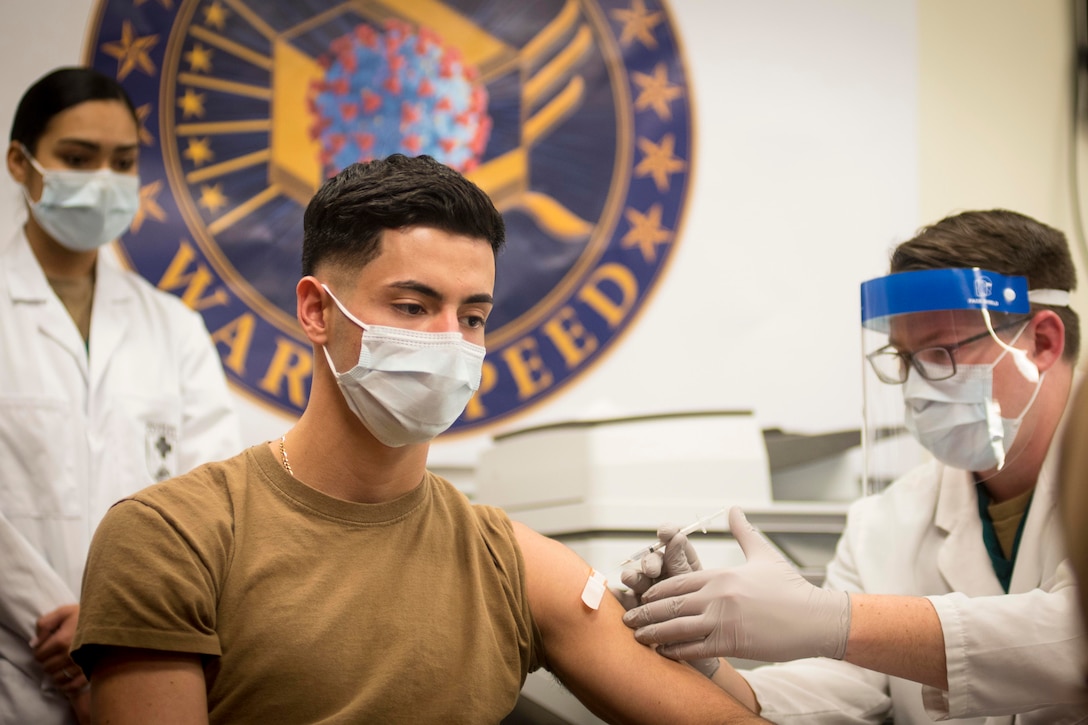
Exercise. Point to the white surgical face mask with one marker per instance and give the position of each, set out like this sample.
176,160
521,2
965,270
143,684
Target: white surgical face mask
408,386
958,420
83,210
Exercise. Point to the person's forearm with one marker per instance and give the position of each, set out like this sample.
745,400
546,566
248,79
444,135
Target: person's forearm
727,678
899,636
132,687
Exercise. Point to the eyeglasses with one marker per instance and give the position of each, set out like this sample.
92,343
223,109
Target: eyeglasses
932,363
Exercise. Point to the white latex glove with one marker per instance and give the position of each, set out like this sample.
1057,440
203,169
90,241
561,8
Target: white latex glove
762,610
678,557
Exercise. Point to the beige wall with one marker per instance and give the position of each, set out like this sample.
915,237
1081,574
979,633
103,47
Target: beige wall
994,112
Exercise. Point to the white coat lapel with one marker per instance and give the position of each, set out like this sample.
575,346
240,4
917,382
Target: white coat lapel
30,290
1041,547
110,316
962,558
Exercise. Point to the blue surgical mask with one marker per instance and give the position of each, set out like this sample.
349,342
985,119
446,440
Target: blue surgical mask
83,210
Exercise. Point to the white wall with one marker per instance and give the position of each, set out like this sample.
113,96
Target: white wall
805,175
827,130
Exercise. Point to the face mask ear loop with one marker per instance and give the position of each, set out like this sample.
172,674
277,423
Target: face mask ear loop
328,358
996,431
343,309
1020,357
33,161
34,165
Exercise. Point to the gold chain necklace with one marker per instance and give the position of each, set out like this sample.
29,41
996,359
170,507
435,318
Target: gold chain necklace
283,453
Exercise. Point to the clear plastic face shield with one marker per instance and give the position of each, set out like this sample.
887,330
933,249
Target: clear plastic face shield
947,370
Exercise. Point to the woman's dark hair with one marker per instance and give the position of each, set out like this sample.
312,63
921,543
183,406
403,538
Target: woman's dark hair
58,91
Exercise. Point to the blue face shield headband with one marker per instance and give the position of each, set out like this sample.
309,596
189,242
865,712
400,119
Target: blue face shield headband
933,290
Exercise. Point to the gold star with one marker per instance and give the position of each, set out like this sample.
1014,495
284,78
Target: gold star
637,23
142,112
646,232
199,151
191,104
149,205
655,91
215,15
659,161
131,52
200,59
212,198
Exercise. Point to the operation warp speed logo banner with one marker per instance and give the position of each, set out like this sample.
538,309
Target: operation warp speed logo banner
574,116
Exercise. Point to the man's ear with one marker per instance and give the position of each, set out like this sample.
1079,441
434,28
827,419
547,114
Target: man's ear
1048,334
311,304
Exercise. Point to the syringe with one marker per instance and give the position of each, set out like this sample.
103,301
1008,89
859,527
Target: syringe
699,525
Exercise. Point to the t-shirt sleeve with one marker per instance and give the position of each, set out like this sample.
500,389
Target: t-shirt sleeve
149,583
496,526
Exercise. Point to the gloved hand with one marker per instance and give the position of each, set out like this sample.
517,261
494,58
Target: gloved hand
762,610
678,557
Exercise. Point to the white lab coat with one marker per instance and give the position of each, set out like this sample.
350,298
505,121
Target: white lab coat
1005,653
80,430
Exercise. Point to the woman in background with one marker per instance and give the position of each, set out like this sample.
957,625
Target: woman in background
106,383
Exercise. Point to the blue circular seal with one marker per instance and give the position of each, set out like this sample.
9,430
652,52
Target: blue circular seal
574,116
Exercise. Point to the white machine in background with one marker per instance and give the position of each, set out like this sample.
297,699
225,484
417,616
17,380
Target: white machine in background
625,474
602,487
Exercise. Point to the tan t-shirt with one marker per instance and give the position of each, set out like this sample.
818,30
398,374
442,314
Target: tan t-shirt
309,608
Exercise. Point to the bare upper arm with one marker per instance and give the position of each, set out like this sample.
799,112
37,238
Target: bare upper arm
596,655
141,686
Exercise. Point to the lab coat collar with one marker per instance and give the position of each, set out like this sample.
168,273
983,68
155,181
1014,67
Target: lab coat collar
113,294
962,558
1039,552
27,281
110,314
28,287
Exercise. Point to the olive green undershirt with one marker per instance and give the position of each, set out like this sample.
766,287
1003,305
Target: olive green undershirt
1002,524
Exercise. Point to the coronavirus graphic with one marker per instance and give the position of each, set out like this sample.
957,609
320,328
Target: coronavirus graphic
398,90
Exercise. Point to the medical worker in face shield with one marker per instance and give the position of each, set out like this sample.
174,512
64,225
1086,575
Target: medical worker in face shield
106,384
950,595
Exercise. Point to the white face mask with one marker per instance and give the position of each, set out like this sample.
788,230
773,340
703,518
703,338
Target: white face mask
958,420
83,210
408,386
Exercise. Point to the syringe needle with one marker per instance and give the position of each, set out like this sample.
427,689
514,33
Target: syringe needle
698,525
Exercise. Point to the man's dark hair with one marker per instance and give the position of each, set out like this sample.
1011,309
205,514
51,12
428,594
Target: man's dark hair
1002,241
58,91
345,219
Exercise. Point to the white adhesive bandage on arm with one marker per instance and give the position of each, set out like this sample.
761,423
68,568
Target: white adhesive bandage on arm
594,589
